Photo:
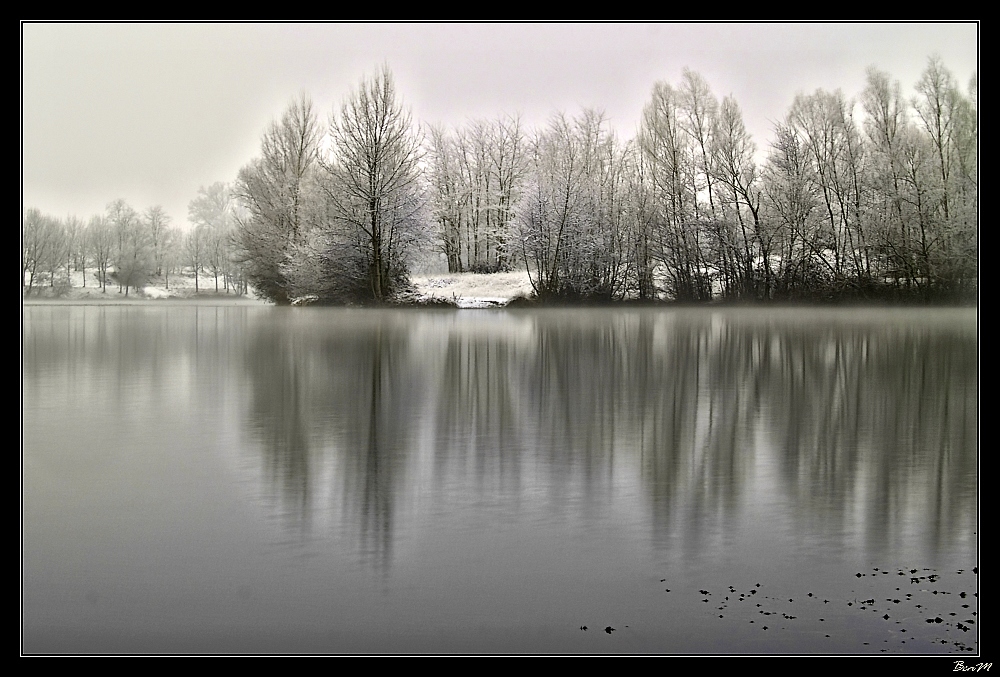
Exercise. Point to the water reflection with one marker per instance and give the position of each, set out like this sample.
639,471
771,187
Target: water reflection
868,425
336,392
521,468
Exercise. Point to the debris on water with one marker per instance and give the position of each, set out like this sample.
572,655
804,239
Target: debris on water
583,627
941,623
609,629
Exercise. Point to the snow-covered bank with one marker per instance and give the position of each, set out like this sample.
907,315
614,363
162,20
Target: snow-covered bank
474,290
466,290
179,287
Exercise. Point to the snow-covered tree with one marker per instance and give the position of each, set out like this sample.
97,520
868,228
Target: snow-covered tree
281,198
374,191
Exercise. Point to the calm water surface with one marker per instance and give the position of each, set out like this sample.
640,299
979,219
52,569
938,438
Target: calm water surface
256,479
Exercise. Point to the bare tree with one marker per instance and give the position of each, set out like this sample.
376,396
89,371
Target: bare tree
374,188
698,118
572,213
38,244
75,251
669,158
791,205
735,172
507,154
171,250
101,236
211,210
280,197
886,125
157,223
59,250
447,196
196,251
949,120
133,257
475,177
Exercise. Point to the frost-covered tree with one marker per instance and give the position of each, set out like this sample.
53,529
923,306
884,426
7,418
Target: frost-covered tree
476,174
211,210
101,238
171,250
572,213
948,120
745,247
374,192
281,199
669,157
38,244
75,252
133,255
157,224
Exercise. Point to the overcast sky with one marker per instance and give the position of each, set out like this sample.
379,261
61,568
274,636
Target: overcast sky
150,112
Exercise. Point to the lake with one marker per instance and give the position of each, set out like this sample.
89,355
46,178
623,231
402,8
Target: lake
243,479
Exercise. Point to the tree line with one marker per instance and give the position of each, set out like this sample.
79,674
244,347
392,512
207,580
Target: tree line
873,197
130,248
882,204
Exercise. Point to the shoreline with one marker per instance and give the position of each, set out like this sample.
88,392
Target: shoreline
439,303
457,291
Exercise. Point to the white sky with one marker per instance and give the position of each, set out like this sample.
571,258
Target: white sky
150,112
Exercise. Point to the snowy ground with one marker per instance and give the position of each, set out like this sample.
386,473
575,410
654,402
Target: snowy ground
178,286
473,290
468,290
